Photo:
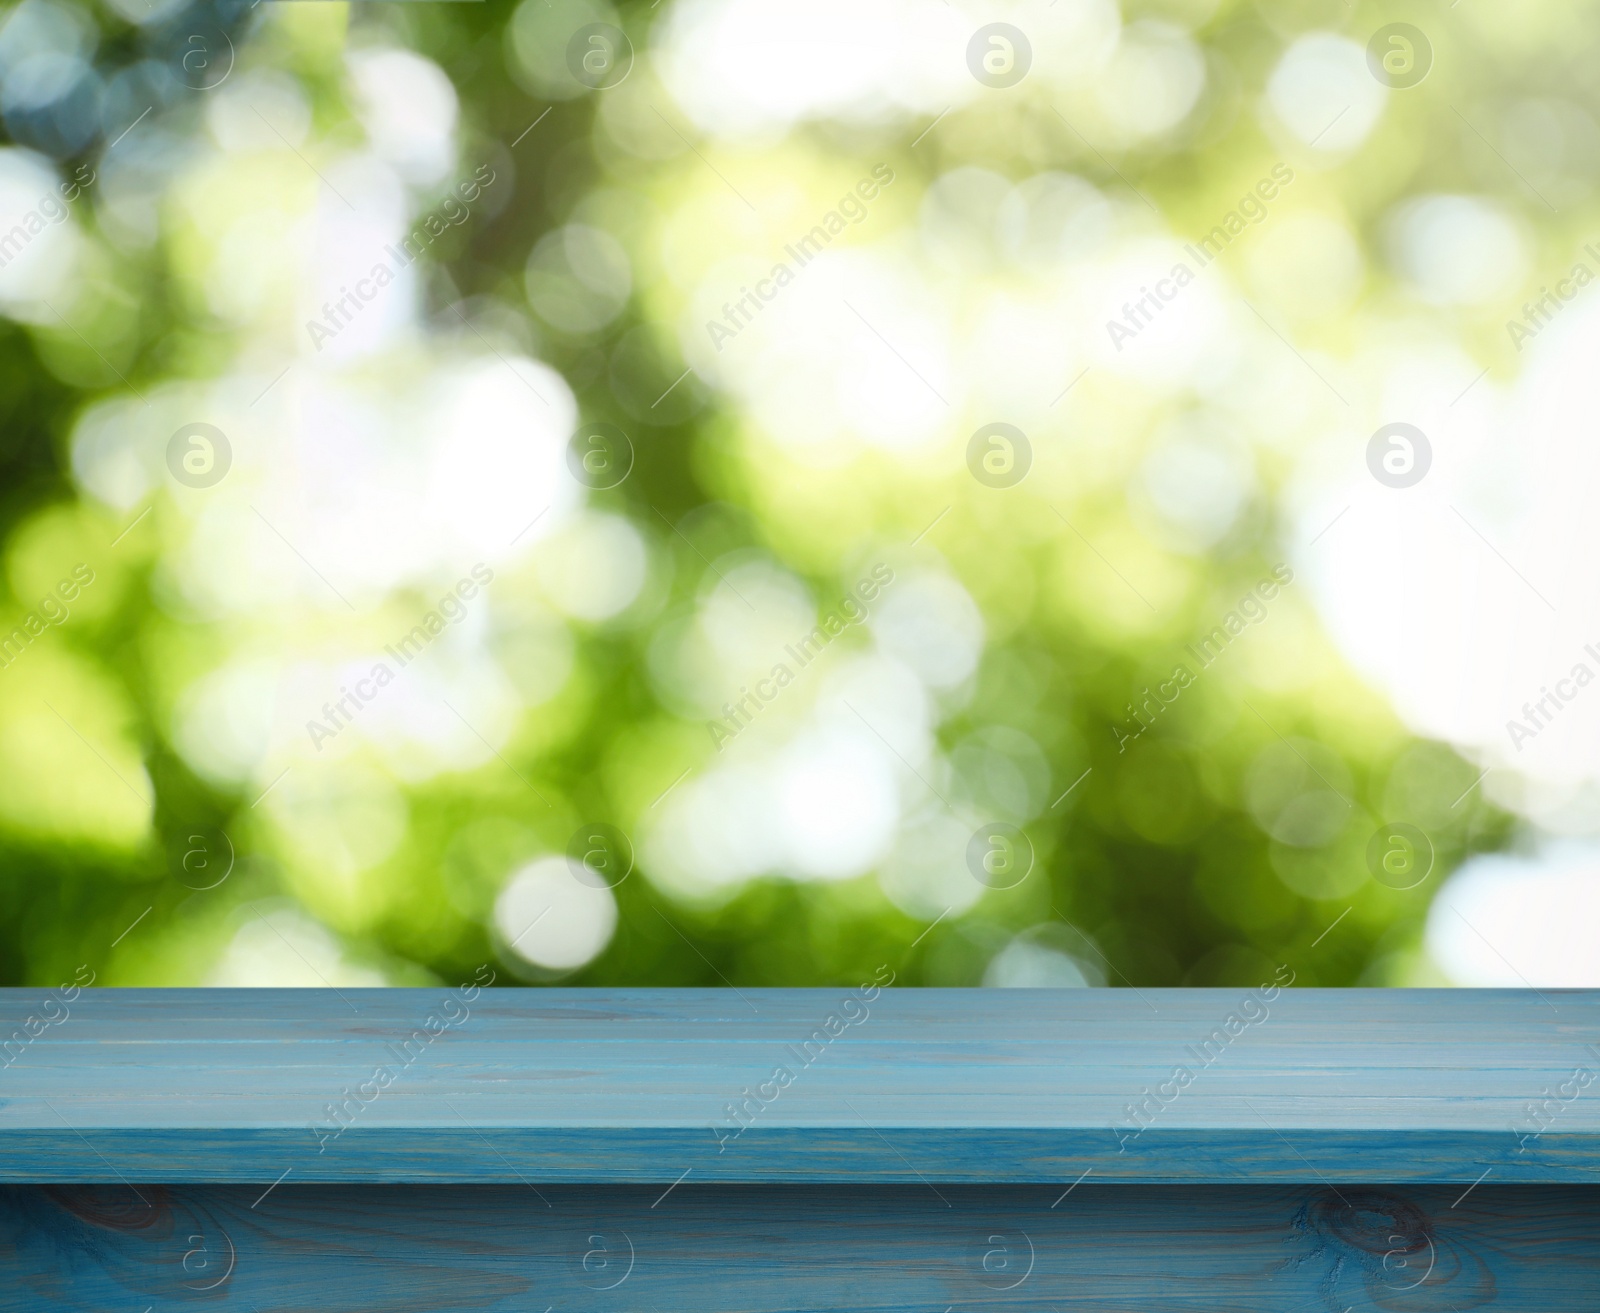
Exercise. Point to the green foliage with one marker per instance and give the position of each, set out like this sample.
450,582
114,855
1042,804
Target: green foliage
1201,838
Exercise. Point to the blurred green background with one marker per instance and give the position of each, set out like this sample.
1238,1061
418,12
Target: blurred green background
171,814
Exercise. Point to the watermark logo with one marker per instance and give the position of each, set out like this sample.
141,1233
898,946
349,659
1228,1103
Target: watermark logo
203,858
600,855
1003,1260
999,455
1540,714
599,455
850,611
1540,1116
207,57
449,213
599,56
450,609
54,1011
51,610
1539,312
1399,55
1399,855
48,212
740,1114
205,1268
199,455
999,855
1399,455
601,1261
453,1012
1251,209
1140,1115
852,206
999,55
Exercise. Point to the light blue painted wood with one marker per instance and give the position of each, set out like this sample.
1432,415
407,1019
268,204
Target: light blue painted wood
783,1249
829,1085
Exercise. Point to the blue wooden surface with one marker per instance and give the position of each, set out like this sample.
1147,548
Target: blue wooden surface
916,1085
777,1249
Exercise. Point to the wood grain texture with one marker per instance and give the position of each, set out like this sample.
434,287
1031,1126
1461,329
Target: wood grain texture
773,1249
982,1086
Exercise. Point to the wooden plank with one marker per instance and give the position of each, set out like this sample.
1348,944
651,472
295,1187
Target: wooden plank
899,1086
773,1249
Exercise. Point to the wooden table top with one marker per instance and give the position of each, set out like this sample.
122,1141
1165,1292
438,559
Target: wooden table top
793,1085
